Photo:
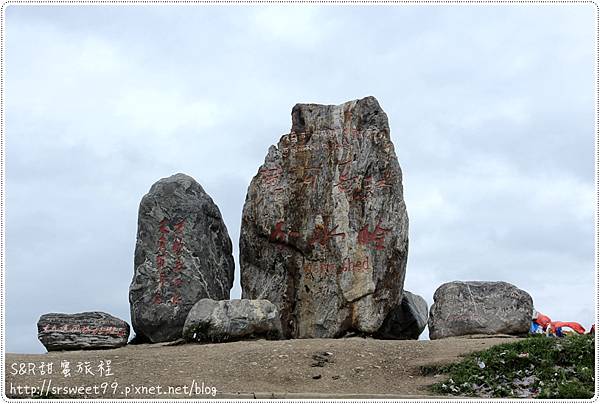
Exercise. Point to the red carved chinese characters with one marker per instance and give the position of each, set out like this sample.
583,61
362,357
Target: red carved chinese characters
163,227
178,265
353,184
177,246
322,234
366,189
167,254
385,181
278,234
375,237
162,243
270,176
347,182
85,329
308,181
357,189
175,299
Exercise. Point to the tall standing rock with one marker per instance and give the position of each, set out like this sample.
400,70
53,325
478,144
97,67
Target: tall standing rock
183,254
324,227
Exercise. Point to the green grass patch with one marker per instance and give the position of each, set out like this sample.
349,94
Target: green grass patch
538,367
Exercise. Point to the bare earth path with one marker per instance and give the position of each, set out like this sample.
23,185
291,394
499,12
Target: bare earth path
309,368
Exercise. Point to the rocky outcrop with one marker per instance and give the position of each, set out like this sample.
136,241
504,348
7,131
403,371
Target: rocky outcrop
232,320
407,320
465,308
89,330
324,227
183,254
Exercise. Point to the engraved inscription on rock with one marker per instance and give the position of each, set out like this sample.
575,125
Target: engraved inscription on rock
324,227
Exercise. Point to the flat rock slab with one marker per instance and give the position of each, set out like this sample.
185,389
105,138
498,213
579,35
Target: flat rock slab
183,254
89,330
232,320
464,308
324,227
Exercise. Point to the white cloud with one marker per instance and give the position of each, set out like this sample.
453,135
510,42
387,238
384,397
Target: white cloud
297,25
163,111
98,56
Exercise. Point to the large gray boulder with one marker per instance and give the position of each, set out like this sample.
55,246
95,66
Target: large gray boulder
89,330
407,320
324,227
183,254
232,320
466,308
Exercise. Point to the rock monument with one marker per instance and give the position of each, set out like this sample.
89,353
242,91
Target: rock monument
324,227
183,254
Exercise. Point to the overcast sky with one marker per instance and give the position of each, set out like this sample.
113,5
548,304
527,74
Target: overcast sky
491,110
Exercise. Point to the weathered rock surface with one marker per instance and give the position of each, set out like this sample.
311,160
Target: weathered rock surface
89,330
183,254
407,320
465,308
324,227
232,320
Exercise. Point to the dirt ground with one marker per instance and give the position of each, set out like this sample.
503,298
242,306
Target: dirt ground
303,368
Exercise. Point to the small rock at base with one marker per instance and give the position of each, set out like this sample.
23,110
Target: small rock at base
232,320
88,330
466,308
